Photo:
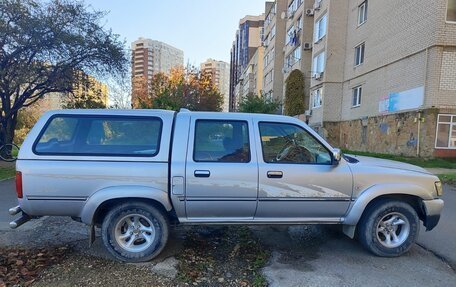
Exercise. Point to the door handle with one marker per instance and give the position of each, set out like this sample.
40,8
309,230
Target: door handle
202,173
275,174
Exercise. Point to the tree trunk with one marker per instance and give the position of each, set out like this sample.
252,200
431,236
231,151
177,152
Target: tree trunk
7,129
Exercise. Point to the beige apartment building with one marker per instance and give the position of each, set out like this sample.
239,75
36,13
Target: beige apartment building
148,58
251,80
384,75
273,43
220,76
247,40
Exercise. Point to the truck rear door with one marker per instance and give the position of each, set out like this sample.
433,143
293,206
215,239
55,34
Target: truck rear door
221,177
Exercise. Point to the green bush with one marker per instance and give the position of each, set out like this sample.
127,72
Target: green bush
258,104
294,94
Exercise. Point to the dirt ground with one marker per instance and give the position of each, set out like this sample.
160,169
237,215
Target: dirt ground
197,256
306,255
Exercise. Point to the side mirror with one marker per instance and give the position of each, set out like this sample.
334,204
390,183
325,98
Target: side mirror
337,154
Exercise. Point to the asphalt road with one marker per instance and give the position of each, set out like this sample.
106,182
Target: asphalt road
8,199
308,255
442,239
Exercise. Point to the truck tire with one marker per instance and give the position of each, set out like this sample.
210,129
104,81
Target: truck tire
135,232
388,228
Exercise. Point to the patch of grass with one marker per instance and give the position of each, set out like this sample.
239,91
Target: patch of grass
426,163
448,177
7,172
259,281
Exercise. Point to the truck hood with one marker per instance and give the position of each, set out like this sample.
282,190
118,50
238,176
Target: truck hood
371,161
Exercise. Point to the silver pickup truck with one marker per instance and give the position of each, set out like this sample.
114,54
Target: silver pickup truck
134,172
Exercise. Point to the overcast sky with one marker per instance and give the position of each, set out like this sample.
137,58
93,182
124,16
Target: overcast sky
201,28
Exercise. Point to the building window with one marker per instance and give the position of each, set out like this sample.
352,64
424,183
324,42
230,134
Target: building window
297,54
318,64
273,31
359,54
292,8
451,11
288,62
271,55
268,77
362,13
320,28
357,91
446,132
300,22
317,98
291,34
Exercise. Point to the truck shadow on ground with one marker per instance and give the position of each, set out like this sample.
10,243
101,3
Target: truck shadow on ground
317,255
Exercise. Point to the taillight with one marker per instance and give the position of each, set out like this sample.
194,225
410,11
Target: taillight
19,184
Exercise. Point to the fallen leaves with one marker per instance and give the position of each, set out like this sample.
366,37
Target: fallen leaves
222,256
23,266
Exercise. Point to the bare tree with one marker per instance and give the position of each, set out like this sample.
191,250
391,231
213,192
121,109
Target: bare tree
120,93
42,44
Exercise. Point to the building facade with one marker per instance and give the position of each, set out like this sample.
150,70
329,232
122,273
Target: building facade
274,43
384,76
220,76
248,39
299,42
148,58
251,80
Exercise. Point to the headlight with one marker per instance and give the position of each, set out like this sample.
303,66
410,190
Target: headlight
439,188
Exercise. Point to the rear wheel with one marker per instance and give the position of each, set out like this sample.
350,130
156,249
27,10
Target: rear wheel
9,152
389,228
135,232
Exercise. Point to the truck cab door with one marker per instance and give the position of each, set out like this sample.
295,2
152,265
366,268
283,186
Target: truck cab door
298,180
221,179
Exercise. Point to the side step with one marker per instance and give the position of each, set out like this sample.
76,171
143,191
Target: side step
21,220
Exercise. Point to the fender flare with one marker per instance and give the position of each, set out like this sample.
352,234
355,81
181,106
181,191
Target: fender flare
356,211
118,192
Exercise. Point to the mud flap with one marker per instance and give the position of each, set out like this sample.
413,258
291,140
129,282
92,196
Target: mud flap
91,234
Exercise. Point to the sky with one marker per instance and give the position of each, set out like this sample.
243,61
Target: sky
201,28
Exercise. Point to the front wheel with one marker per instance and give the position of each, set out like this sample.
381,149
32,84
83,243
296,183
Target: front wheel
389,228
135,232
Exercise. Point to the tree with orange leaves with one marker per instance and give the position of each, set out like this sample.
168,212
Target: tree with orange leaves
182,88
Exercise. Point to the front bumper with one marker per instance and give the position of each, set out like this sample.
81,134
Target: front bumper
432,210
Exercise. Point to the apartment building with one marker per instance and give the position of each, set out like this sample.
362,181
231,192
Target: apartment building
247,40
148,58
219,72
273,43
87,87
86,90
251,79
384,75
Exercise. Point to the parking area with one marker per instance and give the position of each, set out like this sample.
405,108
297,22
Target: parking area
306,255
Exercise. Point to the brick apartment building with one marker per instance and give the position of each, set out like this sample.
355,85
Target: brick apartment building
384,75
247,40
273,43
251,80
220,76
148,58
380,76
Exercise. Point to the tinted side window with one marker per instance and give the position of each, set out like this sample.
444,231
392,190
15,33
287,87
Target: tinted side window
102,136
286,143
221,141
